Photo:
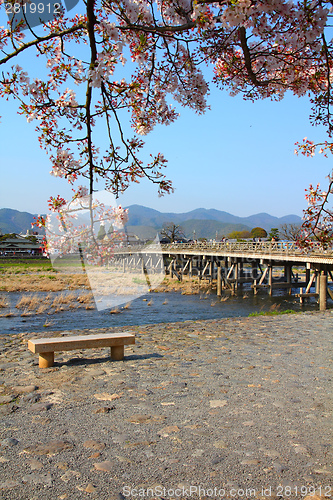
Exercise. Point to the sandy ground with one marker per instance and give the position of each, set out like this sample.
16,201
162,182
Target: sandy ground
241,408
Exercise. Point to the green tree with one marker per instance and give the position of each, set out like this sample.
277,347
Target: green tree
239,235
258,232
8,236
274,234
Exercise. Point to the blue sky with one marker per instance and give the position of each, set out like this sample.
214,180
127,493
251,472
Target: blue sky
238,157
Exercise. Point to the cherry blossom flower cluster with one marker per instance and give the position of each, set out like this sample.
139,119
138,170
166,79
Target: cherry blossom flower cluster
261,49
64,163
318,218
72,226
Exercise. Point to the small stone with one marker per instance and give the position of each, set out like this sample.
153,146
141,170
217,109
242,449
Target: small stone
272,453
105,409
301,449
106,466
40,420
69,475
35,464
322,471
62,465
94,445
249,461
8,442
9,484
50,448
41,407
31,397
21,389
198,453
96,372
7,399
139,419
168,430
125,460
218,403
139,443
157,418
5,410
95,455
34,478
90,488
106,397
220,444
279,467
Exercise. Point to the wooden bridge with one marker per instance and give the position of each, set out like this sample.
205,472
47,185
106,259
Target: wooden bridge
231,264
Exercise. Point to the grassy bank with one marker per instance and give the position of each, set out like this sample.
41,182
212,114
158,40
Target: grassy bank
33,275
37,275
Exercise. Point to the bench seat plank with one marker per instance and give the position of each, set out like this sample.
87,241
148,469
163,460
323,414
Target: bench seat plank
46,347
69,343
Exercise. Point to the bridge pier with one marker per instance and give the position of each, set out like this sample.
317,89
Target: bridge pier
233,264
287,274
270,279
322,289
219,280
307,273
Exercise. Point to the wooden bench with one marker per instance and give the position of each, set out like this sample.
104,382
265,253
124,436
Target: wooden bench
46,347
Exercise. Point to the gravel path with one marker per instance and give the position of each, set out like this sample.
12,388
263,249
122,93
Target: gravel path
241,408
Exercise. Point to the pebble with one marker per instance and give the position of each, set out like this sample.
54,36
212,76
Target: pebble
35,464
50,448
106,466
96,372
249,461
44,479
94,445
38,407
9,484
90,488
9,442
218,403
7,399
22,389
220,444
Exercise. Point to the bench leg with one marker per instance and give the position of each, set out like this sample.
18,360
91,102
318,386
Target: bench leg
46,359
117,352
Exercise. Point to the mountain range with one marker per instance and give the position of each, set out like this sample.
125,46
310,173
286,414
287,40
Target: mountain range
145,222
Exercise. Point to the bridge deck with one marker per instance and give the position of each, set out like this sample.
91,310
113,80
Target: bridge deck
277,252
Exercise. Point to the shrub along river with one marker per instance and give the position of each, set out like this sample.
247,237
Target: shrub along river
66,311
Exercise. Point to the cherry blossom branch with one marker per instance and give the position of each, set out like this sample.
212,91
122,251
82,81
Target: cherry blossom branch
34,43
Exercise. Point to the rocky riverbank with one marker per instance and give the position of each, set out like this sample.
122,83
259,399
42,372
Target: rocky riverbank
226,405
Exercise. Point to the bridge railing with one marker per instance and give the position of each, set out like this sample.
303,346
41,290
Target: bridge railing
286,247
264,247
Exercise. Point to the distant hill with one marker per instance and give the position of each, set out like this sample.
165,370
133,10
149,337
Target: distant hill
13,221
146,222
144,216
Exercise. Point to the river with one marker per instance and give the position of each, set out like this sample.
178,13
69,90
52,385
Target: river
152,308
